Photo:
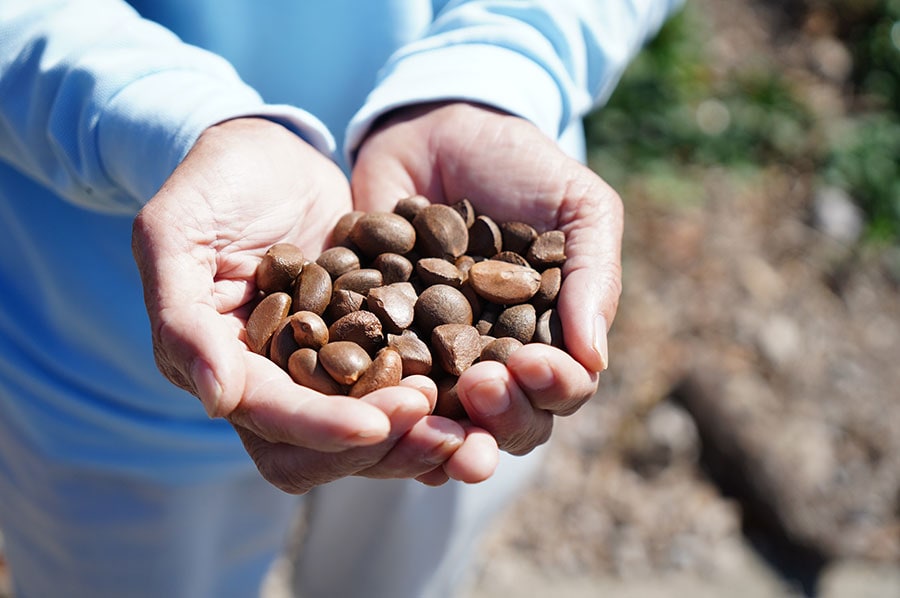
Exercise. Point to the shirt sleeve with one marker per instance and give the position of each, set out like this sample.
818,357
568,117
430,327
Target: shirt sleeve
549,61
101,105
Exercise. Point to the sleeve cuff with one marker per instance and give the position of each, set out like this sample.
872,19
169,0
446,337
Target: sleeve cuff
150,125
482,73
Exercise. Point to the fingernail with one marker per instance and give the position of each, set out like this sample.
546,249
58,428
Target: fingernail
601,346
536,375
207,386
492,397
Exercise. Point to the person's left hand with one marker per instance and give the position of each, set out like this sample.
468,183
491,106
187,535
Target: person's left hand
510,171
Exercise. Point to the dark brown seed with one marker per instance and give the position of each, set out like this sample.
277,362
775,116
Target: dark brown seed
383,232
511,258
340,235
448,404
359,281
264,319
313,290
551,281
394,305
499,349
475,302
342,303
441,232
282,344
486,319
517,322
306,370
485,238
408,207
517,236
393,267
338,260
344,361
548,330
466,210
309,330
504,283
279,267
434,270
456,347
386,370
548,250
360,327
441,304
414,353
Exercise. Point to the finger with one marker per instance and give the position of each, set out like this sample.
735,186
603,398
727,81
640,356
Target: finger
424,385
427,445
278,410
551,379
435,477
195,347
476,460
494,401
592,218
296,469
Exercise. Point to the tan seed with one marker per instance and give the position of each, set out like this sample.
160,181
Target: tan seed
386,370
344,361
279,267
504,283
264,320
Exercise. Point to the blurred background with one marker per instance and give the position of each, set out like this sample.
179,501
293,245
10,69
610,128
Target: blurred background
746,439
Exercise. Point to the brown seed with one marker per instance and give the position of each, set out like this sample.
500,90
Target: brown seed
441,232
338,260
386,370
517,322
359,281
340,235
551,281
394,305
282,344
504,283
463,263
393,267
548,330
487,317
306,370
456,347
512,258
408,207
441,304
279,267
383,232
360,327
313,290
344,361
309,330
414,353
485,238
342,303
517,236
499,349
448,404
548,250
466,210
264,319
434,270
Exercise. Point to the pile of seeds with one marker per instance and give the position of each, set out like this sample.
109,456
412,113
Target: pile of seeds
426,289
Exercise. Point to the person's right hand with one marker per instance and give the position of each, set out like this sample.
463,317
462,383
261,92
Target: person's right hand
248,184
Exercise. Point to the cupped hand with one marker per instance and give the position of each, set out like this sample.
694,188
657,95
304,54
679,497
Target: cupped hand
511,171
248,184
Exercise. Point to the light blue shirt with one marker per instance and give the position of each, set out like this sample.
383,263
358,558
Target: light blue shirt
98,106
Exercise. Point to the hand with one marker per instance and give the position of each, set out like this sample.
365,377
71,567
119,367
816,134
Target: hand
246,185
511,171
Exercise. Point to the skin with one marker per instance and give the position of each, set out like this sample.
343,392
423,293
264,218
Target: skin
249,183
509,170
